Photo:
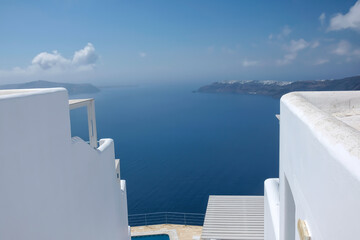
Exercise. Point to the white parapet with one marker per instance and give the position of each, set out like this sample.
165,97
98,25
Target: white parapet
53,186
320,165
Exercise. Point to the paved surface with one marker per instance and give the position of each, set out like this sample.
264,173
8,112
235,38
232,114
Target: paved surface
176,232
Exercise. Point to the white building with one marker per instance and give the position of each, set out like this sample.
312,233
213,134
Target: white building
53,186
56,187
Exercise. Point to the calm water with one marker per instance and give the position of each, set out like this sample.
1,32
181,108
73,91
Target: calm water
177,147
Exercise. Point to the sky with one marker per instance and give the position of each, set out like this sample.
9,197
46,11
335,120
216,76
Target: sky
144,41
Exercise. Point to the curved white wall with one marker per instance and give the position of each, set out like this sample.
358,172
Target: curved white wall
50,186
320,158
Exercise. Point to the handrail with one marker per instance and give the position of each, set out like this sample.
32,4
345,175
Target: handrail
196,219
168,212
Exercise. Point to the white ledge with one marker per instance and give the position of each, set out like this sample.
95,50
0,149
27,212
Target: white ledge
104,144
18,93
320,111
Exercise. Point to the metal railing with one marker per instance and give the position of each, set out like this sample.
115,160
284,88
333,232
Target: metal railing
196,219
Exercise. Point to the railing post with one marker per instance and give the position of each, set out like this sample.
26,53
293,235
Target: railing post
166,221
92,123
145,220
184,219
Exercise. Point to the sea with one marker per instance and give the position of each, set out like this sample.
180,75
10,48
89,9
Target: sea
176,147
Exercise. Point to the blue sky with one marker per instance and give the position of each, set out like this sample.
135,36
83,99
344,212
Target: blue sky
131,42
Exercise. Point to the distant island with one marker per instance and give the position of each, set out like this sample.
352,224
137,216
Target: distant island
278,88
72,88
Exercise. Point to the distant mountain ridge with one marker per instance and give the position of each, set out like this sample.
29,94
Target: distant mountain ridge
72,88
278,88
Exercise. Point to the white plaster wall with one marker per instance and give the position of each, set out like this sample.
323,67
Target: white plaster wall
52,187
319,157
271,209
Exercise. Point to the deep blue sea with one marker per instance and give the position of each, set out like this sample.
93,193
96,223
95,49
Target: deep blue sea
177,147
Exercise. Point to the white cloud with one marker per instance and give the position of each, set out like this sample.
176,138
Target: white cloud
288,58
47,60
349,20
297,45
315,44
321,61
343,48
227,50
284,33
142,54
322,18
292,51
52,64
356,52
247,63
85,56
210,49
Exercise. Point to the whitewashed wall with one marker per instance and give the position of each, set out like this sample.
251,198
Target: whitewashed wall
50,186
271,209
319,166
